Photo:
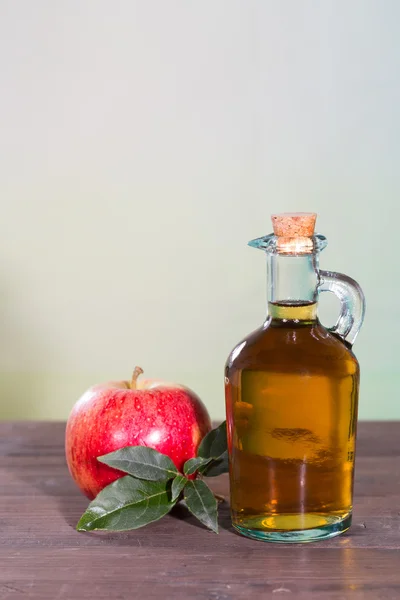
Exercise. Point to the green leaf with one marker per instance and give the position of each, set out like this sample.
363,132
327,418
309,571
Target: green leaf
127,503
177,486
141,462
217,466
194,464
214,444
201,503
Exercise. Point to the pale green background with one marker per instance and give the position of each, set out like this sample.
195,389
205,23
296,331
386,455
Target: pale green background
144,143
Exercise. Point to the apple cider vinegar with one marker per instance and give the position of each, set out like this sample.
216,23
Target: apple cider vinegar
291,401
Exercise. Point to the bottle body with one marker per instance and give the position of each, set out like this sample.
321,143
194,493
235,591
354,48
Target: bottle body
291,402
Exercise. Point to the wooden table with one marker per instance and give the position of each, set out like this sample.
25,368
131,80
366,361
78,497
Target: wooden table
43,557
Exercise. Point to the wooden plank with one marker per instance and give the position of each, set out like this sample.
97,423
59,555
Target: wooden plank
43,557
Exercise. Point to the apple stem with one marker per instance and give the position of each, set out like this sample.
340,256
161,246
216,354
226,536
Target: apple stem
138,371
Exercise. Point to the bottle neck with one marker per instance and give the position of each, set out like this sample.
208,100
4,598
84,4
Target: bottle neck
292,286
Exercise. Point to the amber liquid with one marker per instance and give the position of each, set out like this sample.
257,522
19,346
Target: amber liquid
291,394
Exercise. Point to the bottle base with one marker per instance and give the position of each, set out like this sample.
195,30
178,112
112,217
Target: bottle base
333,526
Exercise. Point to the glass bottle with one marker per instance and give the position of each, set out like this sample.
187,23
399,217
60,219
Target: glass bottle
291,391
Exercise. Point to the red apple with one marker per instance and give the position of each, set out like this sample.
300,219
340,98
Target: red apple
167,417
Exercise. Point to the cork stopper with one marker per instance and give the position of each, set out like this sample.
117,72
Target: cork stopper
291,225
294,231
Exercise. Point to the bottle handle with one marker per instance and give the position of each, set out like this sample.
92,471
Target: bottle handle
353,304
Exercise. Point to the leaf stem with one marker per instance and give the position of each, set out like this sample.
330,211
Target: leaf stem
219,498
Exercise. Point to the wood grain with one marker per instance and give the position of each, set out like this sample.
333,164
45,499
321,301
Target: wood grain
43,557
